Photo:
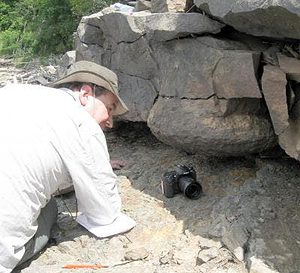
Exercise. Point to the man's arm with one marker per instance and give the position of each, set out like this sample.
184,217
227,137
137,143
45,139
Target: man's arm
96,190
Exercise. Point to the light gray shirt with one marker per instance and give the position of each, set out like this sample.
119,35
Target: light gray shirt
48,139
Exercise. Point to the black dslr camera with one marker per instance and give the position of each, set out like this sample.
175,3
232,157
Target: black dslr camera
182,179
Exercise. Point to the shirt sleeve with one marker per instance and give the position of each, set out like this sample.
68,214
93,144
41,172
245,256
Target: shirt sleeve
99,202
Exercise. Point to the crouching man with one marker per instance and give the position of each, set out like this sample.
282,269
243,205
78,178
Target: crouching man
51,138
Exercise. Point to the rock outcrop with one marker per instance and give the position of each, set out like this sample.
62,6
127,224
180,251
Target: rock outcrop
199,85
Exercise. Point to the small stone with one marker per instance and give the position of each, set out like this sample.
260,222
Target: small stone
206,255
239,253
166,257
208,243
51,69
258,265
64,247
136,254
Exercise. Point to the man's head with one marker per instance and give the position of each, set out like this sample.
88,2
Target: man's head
100,103
97,86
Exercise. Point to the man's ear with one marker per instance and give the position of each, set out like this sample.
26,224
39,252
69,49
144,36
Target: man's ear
85,91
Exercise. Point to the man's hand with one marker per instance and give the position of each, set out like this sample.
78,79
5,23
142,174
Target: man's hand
117,164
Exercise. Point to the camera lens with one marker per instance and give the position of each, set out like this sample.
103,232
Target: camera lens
190,188
193,191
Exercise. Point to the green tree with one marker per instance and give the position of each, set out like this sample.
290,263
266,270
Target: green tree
42,27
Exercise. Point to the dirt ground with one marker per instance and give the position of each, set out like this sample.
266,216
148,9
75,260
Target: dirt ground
176,234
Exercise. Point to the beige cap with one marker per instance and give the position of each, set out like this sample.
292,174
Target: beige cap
84,71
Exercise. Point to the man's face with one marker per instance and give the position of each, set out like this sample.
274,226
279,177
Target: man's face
101,108
110,101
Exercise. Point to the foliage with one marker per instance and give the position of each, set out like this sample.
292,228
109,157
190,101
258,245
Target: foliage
42,27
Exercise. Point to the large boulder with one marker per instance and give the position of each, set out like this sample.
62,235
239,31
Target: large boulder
273,18
202,126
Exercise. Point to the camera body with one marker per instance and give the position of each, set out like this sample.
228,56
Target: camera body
182,179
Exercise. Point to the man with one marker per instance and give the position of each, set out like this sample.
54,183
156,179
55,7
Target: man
49,137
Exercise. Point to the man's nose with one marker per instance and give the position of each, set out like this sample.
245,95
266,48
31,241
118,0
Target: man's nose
110,122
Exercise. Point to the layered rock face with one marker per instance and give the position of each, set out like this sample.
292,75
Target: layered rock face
199,85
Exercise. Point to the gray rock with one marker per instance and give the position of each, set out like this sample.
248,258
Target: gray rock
94,19
289,139
89,29
123,27
92,53
191,68
235,239
274,18
228,107
196,126
186,68
239,253
274,88
168,26
258,266
89,34
134,59
166,257
235,75
208,243
224,43
139,96
291,66
142,5
269,55
136,254
207,254
66,62
160,6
